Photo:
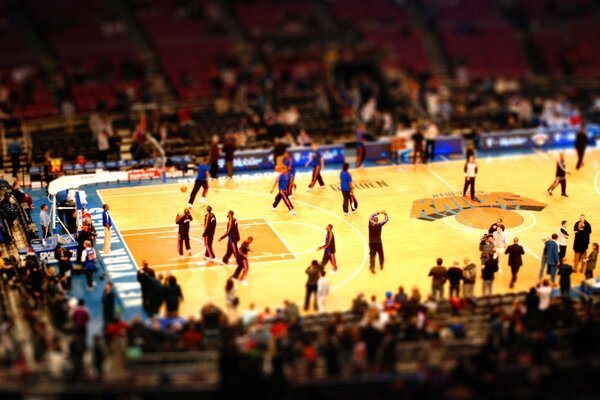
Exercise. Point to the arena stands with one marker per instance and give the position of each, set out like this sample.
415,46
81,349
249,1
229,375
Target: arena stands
260,72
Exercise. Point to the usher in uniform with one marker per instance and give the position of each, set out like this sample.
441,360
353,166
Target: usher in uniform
210,223
233,237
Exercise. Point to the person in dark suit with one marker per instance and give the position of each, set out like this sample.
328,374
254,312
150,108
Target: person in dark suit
565,279
552,256
515,261
581,142
108,304
583,230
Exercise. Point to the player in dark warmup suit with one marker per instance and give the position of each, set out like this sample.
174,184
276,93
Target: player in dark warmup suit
375,244
318,164
233,236
347,190
560,177
183,235
282,183
210,223
242,269
201,182
329,247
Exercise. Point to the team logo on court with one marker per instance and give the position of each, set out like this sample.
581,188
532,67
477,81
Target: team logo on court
431,209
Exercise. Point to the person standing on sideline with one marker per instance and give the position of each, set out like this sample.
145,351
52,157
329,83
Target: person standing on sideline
438,274
418,150
431,134
282,183
322,292
15,149
347,190
229,150
552,256
311,285
563,237
515,260
107,224
329,247
485,247
45,221
288,162
183,234
500,242
88,258
590,262
469,277
560,176
210,224
455,275
317,162
108,304
214,155
583,230
242,260
581,142
375,243
200,182
470,170
488,272
232,234
565,272
360,145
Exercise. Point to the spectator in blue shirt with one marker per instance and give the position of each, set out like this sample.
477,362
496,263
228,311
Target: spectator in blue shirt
45,221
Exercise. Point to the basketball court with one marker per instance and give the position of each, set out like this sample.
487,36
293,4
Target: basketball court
428,219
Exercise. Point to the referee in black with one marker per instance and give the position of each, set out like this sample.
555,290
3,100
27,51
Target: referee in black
375,244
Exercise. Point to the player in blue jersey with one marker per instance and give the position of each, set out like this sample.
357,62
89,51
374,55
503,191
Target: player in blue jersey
201,182
282,182
347,189
288,162
329,247
318,163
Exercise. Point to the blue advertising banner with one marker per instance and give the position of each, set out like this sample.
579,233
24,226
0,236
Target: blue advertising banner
246,160
534,138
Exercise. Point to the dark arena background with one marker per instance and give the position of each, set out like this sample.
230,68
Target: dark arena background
318,199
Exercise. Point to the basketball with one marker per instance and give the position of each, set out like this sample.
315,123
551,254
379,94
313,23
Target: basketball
183,189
